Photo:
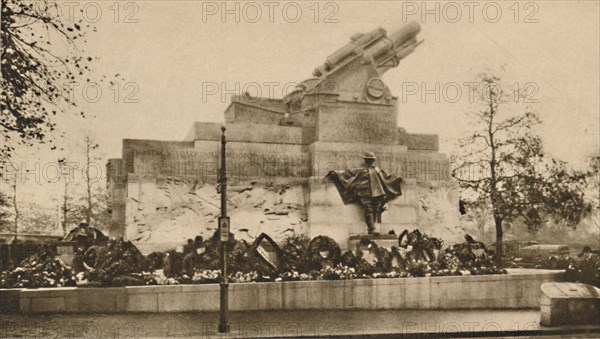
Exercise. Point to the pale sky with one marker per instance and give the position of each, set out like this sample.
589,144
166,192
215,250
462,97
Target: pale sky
178,47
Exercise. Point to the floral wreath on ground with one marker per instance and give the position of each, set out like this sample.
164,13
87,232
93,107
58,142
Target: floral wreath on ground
298,258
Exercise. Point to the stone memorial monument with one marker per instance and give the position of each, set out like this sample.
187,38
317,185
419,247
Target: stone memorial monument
279,154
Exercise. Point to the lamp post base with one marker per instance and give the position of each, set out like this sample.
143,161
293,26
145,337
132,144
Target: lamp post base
223,328
223,321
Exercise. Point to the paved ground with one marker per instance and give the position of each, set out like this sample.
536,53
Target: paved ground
404,323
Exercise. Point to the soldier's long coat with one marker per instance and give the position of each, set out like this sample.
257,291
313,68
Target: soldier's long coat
354,184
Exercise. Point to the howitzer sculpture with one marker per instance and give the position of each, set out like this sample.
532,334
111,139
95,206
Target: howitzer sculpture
354,71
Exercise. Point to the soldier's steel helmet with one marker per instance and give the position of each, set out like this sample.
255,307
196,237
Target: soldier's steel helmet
369,155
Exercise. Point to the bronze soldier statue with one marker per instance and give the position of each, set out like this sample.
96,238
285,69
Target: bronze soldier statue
368,186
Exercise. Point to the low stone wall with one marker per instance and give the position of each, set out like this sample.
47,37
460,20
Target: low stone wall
520,289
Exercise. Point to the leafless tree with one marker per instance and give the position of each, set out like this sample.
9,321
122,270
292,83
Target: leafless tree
503,166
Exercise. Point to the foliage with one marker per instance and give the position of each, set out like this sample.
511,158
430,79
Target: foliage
35,219
114,261
207,276
593,190
239,257
418,268
554,262
422,246
5,222
86,236
92,206
119,263
503,166
90,157
339,272
40,61
294,276
78,209
585,271
240,277
39,270
295,246
321,252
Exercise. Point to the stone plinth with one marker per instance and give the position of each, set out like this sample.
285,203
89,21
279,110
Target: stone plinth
248,132
569,304
426,206
164,192
351,122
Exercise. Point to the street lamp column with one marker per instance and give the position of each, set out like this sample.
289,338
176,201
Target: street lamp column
224,235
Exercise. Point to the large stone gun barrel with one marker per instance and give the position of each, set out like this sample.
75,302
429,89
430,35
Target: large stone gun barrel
357,41
377,45
400,43
353,72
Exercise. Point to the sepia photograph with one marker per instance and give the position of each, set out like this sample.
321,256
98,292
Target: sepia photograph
300,169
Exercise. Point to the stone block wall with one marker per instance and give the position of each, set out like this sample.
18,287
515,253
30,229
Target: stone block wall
517,290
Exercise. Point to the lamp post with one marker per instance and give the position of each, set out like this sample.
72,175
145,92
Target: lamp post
224,235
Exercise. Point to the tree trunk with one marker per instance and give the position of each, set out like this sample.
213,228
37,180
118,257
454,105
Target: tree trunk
89,202
499,236
64,223
16,208
88,183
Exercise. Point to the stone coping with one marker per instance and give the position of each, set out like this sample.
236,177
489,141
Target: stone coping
510,291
